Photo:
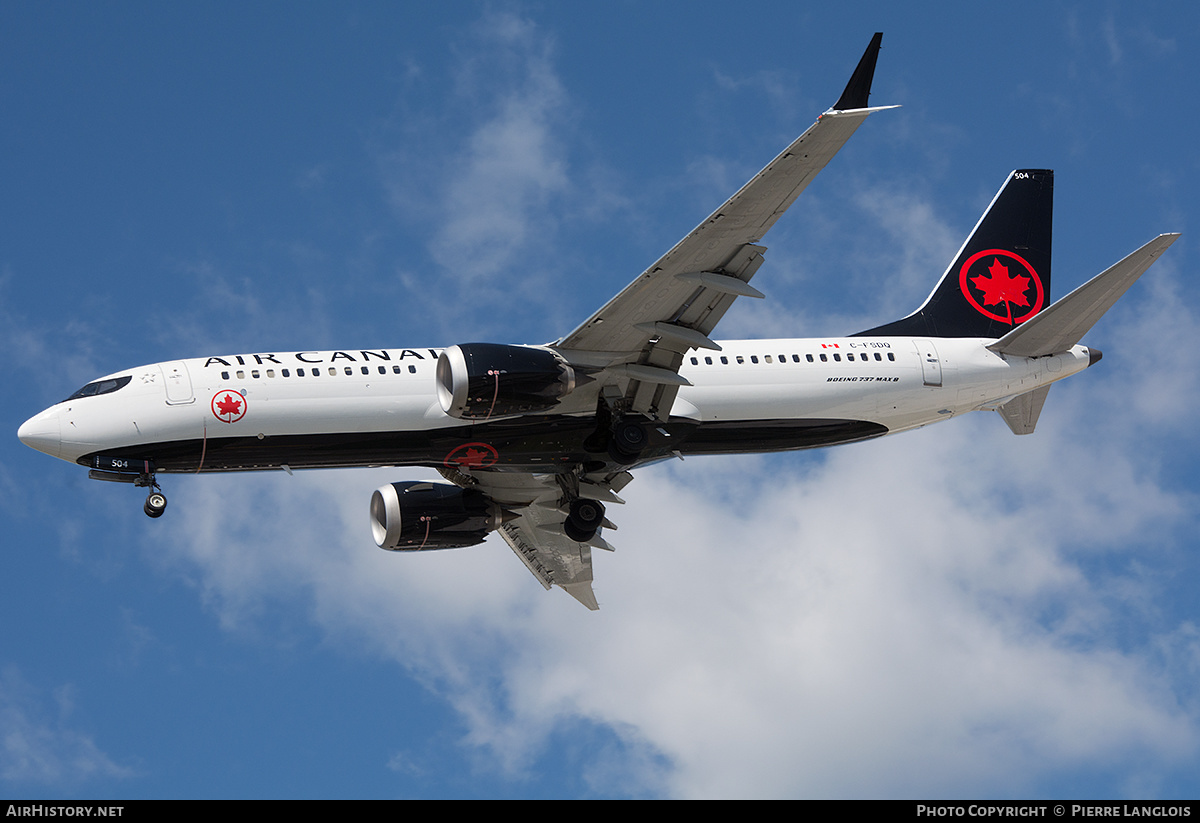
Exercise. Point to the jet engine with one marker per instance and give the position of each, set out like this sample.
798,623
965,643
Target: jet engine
414,516
478,381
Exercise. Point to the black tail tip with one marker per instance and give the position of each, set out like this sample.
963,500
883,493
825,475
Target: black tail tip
858,90
1094,356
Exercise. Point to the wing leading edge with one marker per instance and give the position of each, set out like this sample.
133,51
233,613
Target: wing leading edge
633,346
674,305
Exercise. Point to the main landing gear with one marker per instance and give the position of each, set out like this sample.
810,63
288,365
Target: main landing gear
626,441
583,519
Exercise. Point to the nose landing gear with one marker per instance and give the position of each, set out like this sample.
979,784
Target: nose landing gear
156,503
138,472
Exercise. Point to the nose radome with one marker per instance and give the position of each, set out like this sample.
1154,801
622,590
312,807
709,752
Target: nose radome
42,432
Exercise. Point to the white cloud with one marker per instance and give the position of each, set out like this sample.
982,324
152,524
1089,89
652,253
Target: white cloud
931,614
36,751
876,249
925,615
490,194
912,616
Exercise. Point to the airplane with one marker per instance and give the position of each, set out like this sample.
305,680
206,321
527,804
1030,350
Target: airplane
534,440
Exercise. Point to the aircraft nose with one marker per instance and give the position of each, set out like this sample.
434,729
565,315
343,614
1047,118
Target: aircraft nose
43,432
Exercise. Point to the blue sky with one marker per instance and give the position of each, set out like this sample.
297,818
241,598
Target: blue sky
953,612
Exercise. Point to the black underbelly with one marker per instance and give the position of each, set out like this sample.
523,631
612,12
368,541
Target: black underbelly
543,443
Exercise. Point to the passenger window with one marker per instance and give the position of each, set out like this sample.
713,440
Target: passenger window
824,359
695,362
891,356
396,369
412,369
708,361
724,360
285,372
224,375
241,375
809,357
754,358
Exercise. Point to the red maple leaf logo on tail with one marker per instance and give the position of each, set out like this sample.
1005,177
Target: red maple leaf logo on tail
1001,287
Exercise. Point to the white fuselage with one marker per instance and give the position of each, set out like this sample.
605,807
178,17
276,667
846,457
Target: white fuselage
380,407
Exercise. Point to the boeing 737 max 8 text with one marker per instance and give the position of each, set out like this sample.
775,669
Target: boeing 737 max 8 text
534,441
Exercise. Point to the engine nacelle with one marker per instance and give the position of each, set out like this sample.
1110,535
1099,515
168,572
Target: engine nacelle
414,516
478,381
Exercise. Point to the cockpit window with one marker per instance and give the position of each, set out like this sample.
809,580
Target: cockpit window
106,386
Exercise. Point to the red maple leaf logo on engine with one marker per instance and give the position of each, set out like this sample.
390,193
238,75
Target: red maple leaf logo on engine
1000,287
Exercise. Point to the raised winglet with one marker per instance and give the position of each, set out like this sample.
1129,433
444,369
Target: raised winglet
859,88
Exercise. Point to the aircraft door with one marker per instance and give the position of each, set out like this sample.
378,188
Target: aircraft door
931,365
178,383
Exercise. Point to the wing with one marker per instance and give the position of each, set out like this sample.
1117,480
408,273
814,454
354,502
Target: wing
537,532
633,347
640,337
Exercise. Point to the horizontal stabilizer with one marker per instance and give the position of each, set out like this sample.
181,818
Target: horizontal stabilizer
1021,413
1064,324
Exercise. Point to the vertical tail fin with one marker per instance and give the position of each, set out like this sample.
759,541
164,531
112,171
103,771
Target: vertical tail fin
1001,275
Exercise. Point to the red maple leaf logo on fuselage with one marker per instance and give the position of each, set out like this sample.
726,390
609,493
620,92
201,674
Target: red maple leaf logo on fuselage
229,406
